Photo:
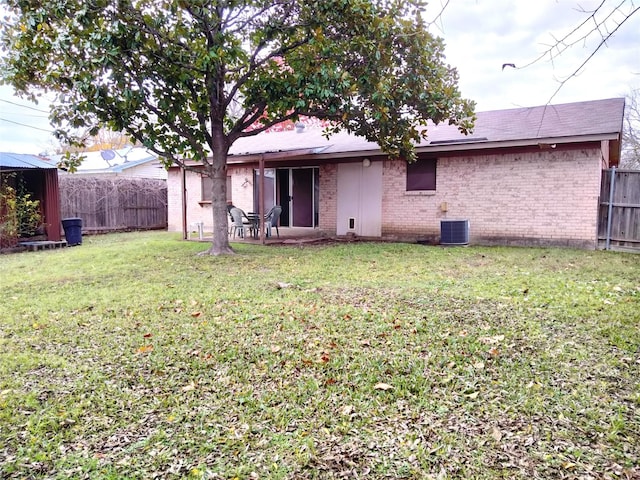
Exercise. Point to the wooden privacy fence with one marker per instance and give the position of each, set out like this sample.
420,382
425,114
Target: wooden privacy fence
108,204
619,218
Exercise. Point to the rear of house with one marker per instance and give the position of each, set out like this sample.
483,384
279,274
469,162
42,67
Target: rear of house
526,176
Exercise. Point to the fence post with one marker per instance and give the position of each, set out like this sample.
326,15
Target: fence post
612,184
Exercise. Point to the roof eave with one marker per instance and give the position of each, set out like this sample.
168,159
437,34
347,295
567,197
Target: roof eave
440,148
308,154
528,142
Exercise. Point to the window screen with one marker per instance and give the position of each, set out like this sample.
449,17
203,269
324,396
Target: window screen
421,174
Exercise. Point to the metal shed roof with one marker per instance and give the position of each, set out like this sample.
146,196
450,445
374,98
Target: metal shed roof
22,160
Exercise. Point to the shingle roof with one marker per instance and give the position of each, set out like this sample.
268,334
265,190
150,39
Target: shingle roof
597,118
552,121
21,160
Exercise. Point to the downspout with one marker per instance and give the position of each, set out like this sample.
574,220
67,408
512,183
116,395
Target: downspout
183,184
261,201
610,209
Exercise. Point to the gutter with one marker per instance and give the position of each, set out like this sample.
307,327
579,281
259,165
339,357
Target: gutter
457,146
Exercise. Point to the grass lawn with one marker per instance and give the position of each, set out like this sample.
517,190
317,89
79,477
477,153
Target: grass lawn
132,357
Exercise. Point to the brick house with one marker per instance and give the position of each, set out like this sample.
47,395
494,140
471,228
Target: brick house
525,176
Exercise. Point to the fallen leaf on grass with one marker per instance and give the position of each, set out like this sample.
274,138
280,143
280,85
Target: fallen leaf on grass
494,352
382,386
275,348
147,335
196,314
347,410
145,349
491,340
496,434
324,358
473,395
189,388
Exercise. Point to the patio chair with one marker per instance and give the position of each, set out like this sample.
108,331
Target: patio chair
237,225
271,219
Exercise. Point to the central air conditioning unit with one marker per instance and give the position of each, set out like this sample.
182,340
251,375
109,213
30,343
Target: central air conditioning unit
454,232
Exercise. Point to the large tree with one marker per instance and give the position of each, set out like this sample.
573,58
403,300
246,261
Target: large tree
187,78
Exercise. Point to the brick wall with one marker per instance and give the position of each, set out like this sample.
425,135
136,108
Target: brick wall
242,187
174,201
197,211
328,202
547,197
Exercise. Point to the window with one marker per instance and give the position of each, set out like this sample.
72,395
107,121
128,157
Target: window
206,184
421,175
206,189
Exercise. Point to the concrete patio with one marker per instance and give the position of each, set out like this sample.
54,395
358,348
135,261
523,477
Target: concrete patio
288,235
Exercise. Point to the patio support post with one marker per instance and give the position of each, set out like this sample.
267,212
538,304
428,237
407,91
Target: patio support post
261,200
183,185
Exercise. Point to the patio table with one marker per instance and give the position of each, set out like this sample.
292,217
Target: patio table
254,223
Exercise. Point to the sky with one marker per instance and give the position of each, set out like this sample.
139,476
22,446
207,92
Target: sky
480,36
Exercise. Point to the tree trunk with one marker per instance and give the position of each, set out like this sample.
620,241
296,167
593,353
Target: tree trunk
218,174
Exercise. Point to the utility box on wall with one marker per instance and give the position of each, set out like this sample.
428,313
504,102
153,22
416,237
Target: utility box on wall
454,232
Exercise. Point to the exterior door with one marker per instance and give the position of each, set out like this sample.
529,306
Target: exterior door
302,197
297,194
360,199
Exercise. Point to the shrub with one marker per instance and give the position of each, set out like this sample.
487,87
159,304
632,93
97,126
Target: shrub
19,214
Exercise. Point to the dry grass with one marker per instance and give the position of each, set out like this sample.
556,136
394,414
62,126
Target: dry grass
131,357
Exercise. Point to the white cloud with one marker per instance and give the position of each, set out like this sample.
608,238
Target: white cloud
24,126
481,35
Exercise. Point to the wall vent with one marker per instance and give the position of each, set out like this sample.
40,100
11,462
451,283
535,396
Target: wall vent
454,232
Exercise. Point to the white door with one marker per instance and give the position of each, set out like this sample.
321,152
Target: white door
360,199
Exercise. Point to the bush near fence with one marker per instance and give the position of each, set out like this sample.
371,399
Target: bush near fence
108,204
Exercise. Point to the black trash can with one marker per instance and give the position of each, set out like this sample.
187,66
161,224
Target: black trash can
72,230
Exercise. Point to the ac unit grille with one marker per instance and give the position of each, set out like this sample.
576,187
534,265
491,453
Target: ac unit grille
454,232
